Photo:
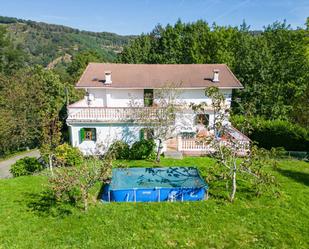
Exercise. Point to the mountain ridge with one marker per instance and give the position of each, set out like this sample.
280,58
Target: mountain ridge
44,42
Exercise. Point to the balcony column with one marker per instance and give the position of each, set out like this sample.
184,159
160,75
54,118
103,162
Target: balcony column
179,142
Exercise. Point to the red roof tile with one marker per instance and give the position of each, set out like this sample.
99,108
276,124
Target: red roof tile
151,76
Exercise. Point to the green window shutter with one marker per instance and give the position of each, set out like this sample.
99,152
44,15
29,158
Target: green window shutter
82,135
141,134
94,134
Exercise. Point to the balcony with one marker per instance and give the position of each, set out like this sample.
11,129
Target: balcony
238,141
112,114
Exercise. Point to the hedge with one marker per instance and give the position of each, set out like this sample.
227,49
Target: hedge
274,133
26,166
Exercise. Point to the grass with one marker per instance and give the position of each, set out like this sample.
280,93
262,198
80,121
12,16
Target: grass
29,219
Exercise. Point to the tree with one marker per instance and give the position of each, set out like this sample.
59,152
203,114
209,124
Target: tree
272,64
74,183
161,117
30,102
138,51
227,149
11,59
80,61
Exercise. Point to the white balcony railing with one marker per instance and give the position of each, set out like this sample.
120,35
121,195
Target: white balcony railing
239,142
112,114
194,145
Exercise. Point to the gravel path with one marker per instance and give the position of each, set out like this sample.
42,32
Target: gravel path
6,164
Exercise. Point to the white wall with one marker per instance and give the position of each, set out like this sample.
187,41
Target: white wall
197,96
185,122
99,95
118,97
106,134
123,97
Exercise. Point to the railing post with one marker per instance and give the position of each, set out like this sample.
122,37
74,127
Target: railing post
179,143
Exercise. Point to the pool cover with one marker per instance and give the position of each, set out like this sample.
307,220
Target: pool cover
155,185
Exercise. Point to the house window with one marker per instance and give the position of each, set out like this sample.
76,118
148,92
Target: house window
148,97
187,135
202,119
146,134
87,134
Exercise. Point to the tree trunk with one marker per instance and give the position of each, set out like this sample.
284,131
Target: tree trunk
51,164
85,199
233,185
159,151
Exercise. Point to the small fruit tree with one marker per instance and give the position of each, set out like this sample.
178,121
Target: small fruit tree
74,183
230,153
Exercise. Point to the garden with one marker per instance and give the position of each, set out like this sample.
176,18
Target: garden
33,217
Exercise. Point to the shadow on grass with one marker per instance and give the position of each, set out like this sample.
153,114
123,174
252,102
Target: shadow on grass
297,176
219,192
101,191
45,204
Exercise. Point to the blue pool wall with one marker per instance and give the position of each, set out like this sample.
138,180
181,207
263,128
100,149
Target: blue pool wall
154,195
127,185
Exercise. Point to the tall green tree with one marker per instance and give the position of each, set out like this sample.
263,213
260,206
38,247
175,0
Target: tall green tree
11,59
273,64
30,103
80,62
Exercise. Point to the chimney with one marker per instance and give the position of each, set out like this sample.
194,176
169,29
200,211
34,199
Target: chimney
216,75
108,77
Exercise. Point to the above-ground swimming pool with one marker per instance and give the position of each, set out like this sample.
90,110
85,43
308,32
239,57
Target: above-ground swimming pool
155,185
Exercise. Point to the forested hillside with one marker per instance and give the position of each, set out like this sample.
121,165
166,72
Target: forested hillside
44,43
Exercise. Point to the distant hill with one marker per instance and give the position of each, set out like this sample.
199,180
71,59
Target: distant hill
45,43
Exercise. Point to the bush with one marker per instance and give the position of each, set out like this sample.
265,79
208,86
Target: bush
74,184
26,166
142,149
119,150
274,133
68,156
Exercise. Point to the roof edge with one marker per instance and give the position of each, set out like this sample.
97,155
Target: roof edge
233,75
86,69
110,87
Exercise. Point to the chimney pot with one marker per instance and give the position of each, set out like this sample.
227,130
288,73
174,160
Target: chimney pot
108,77
216,75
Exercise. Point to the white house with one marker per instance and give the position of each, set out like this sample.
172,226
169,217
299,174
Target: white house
106,114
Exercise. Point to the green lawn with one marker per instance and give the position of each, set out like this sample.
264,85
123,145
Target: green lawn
29,221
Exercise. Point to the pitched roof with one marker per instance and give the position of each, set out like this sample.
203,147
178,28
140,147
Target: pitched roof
143,76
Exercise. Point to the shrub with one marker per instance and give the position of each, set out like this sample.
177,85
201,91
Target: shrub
74,184
68,156
142,149
26,166
274,133
119,150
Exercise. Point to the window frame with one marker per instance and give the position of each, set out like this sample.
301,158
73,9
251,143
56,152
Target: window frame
149,98
146,133
83,134
197,119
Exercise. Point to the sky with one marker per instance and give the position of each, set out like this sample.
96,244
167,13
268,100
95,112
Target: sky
137,16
